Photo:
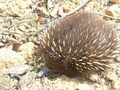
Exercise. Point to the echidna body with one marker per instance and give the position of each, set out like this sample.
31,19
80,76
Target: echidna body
80,43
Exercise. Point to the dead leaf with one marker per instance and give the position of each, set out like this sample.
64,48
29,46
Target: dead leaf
49,4
16,46
55,10
61,11
114,11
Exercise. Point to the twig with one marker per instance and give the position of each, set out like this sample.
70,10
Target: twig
76,9
116,18
5,15
17,24
71,12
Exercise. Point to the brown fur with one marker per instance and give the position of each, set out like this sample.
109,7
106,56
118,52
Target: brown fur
83,42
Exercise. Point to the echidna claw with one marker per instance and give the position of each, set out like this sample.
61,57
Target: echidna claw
42,72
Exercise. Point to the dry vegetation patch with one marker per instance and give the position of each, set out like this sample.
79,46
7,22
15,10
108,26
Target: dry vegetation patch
19,22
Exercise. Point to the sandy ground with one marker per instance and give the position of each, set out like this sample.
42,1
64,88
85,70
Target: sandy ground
20,19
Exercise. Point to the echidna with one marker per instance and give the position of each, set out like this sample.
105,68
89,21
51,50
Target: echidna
81,43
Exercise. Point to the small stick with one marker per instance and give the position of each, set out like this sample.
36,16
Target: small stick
76,9
61,18
71,12
116,18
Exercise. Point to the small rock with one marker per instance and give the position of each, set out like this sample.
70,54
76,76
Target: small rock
111,76
9,58
118,58
115,85
1,5
27,51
